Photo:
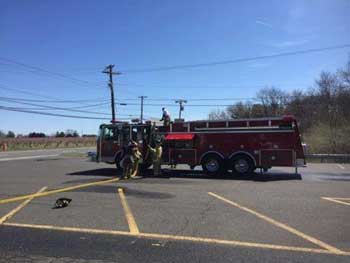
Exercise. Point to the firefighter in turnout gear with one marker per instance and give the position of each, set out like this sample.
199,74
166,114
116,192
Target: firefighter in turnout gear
130,162
156,157
137,160
165,117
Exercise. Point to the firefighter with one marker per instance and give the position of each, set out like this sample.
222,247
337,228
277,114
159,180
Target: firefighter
131,160
165,117
137,156
157,157
126,164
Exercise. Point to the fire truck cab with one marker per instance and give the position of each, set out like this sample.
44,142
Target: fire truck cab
113,139
239,145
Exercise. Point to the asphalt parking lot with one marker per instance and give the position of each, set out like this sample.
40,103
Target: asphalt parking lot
182,216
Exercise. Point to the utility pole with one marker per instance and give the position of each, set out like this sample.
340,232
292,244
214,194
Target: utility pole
109,70
182,107
142,98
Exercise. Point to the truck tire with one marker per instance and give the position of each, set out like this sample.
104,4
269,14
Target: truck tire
213,164
242,165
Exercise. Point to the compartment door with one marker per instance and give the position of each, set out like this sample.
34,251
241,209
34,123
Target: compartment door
275,157
183,156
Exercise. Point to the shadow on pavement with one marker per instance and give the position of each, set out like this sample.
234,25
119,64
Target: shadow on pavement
48,159
265,177
107,189
195,174
99,172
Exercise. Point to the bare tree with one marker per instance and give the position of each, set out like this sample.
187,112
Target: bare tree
273,100
239,110
218,115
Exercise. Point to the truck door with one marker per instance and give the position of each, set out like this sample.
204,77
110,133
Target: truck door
109,143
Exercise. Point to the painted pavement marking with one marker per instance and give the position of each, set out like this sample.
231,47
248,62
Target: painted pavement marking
55,191
128,214
281,225
18,208
339,200
179,238
341,166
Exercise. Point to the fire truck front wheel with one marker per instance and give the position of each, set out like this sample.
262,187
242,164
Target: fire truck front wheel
242,165
213,164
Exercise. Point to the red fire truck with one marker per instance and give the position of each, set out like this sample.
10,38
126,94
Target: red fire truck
239,145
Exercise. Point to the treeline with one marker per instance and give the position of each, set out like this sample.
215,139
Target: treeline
58,134
323,111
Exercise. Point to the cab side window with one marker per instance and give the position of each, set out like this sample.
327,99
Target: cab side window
110,134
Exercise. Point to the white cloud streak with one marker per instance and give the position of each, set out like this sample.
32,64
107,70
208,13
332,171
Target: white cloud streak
290,43
263,23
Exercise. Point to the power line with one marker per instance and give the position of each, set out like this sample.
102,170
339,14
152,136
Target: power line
184,86
35,69
55,114
239,60
75,107
26,92
51,114
174,105
47,107
124,103
44,109
50,98
59,101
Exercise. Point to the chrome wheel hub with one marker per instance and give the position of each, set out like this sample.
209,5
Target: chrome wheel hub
241,166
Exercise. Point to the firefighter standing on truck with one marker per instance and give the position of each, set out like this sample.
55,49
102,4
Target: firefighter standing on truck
157,157
165,117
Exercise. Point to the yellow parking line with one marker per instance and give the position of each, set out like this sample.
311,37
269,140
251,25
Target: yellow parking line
336,200
16,210
70,229
128,214
281,225
238,243
178,238
51,192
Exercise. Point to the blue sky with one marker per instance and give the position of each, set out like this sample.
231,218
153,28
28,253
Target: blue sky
78,38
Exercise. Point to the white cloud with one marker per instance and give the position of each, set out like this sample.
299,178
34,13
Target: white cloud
263,23
290,43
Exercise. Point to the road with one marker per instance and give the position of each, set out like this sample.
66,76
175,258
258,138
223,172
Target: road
44,153
182,216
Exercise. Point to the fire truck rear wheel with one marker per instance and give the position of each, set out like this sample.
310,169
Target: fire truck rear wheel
242,165
213,164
